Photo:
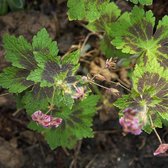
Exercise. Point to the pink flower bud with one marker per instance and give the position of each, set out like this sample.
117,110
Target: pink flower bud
161,149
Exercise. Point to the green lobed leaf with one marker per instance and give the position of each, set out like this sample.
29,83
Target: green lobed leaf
93,12
134,34
109,13
51,68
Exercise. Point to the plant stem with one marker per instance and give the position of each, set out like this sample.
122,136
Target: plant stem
51,105
4,94
119,84
155,129
87,38
99,85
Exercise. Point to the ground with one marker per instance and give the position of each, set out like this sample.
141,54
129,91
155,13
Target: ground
23,148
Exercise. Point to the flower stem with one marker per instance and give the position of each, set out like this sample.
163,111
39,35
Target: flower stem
121,85
116,83
155,129
99,85
51,107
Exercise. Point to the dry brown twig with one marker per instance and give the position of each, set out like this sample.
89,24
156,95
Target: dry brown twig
75,158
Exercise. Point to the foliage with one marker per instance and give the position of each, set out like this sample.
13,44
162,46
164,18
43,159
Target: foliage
76,125
134,33
100,16
149,90
13,5
143,2
44,80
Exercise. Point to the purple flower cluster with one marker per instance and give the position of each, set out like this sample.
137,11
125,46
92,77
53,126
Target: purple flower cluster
130,122
46,120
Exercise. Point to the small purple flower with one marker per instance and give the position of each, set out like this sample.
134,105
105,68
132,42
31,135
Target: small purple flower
79,94
130,122
46,120
110,63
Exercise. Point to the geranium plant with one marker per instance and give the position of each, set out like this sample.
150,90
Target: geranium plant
49,90
60,102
